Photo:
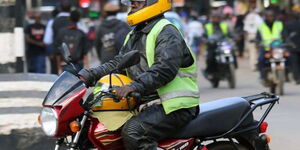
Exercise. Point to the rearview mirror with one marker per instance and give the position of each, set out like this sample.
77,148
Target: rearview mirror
129,59
65,52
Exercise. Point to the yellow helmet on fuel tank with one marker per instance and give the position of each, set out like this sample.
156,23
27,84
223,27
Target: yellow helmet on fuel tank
107,102
151,9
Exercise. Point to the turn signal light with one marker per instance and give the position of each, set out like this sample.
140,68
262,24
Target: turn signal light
39,120
267,55
263,127
286,54
268,139
74,126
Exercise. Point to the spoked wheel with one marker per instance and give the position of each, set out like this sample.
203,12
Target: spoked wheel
231,78
226,146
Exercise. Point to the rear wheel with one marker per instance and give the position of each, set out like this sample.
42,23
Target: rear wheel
226,146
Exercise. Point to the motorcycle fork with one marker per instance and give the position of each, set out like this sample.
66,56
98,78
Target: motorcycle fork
77,135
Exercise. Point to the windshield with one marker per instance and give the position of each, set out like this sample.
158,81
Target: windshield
65,84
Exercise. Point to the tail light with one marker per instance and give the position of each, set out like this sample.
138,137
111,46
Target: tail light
263,127
204,148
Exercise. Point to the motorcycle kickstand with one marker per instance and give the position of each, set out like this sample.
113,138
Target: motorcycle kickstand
58,143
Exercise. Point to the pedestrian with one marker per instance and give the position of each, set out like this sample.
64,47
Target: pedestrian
76,41
36,52
165,76
48,40
292,35
60,21
110,34
251,23
195,32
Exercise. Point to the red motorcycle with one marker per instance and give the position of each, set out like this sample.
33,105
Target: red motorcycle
223,124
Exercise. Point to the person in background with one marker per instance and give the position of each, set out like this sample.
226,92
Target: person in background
36,52
292,35
195,32
110,34
76,41
48,40
251,23
60,21
239,35
214,27
269,31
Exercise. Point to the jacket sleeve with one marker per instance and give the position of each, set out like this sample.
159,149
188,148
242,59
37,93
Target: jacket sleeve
92,75
171,53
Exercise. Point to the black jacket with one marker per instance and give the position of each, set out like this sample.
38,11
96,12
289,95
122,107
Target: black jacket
171,54
75,40
110,36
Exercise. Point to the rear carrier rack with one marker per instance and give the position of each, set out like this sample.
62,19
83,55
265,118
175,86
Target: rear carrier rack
255,101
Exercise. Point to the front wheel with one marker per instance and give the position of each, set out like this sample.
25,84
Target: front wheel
226,146
231,77
281,78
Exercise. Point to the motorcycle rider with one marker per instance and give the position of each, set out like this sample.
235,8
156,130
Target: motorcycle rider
214,27
269,31
165,76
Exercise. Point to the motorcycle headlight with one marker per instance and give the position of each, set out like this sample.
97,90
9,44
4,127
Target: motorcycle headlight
49,121
278,53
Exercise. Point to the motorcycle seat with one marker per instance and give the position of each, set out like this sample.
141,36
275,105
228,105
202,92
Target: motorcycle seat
216,118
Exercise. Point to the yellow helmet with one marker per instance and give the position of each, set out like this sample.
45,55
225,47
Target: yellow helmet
108,103
151,9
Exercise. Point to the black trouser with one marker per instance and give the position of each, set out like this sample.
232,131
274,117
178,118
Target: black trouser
211,62
295,65
151,125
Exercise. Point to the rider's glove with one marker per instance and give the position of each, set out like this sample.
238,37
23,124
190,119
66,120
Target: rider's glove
123,91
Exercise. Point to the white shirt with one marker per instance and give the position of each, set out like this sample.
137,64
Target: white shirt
195,29
252,22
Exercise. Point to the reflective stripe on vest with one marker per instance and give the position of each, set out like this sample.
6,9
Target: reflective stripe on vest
269,36
210,29
182,91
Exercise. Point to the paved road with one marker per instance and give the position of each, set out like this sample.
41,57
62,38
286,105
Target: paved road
284,119
20,101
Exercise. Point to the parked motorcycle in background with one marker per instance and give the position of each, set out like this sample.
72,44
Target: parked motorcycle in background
225,61
69,110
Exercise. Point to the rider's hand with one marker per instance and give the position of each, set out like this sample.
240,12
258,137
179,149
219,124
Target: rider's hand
123,91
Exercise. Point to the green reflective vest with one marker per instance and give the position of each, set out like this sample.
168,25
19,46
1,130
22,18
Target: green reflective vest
182,91
210,29
269,36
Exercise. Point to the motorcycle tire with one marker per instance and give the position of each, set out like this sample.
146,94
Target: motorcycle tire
226,145
231,78
215,83
279,86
